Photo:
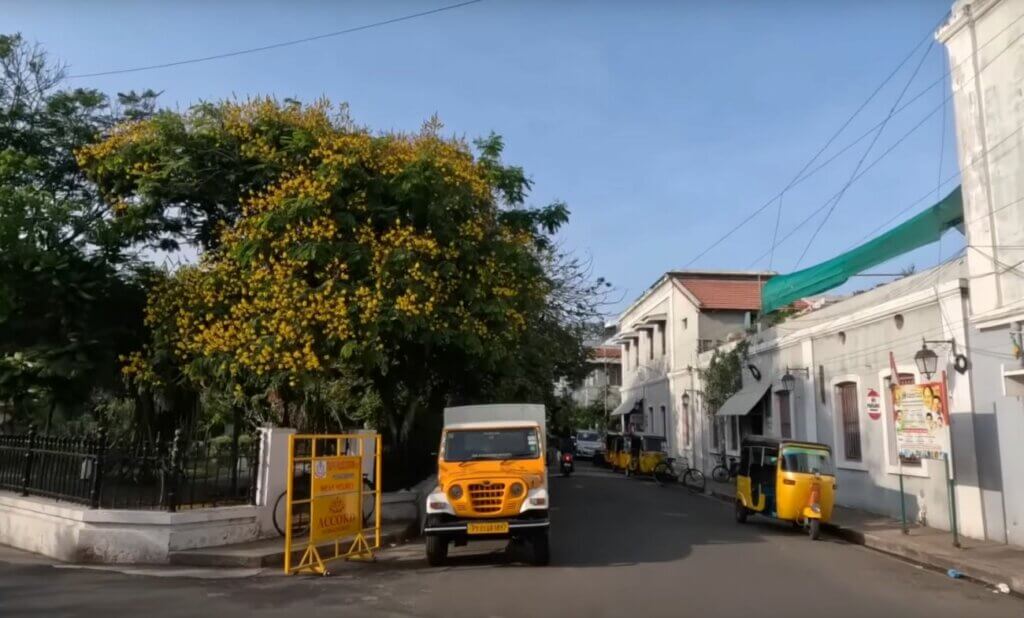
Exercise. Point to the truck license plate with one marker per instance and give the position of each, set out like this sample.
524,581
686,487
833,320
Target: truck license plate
488,527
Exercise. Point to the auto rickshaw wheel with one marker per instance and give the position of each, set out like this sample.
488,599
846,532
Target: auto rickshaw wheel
814,529
741,513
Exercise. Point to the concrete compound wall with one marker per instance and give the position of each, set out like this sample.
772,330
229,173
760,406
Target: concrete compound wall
77,534
74,533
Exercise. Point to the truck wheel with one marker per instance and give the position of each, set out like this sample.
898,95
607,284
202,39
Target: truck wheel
437,550
814,529
541,551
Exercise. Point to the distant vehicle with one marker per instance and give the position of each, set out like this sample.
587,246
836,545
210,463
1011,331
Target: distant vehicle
588,443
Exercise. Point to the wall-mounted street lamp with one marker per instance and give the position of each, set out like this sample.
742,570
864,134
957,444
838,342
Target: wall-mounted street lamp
927,360
789,380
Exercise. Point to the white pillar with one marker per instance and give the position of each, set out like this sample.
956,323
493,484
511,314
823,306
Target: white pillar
271,474
809,391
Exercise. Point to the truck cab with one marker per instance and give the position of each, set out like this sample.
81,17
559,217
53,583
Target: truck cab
491,484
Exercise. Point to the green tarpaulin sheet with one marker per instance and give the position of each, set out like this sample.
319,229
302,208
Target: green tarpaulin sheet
924,228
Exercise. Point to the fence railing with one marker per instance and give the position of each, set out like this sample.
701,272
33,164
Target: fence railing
138,474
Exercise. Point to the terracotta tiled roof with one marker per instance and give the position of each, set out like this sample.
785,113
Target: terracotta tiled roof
739,294
607,351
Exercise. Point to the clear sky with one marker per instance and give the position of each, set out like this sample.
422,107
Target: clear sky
661,124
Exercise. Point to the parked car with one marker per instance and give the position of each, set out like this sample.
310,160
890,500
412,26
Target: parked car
588,443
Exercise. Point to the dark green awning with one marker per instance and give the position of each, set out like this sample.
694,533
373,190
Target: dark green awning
924,228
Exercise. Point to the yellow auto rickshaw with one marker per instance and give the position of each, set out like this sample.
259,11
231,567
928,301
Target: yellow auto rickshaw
613,450
787,480
644,454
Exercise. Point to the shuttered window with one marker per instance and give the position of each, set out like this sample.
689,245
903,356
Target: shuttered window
785,417
846,394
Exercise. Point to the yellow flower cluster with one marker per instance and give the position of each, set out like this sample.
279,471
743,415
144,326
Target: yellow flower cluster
124,134
311,264
137,369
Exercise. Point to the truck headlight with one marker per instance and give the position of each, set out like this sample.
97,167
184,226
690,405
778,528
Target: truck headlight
516,490
455,492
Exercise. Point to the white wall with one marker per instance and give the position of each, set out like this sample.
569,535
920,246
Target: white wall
986,53
78,534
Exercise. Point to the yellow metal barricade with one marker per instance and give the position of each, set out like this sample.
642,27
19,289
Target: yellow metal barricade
329,489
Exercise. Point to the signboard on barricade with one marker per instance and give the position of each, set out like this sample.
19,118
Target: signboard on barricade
336,503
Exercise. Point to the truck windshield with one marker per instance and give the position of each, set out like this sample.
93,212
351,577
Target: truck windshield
806,460
475,445
587,436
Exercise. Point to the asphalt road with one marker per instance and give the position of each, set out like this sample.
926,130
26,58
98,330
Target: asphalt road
620,547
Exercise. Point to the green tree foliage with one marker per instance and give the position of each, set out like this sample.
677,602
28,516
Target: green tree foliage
396,272
723,376
71,296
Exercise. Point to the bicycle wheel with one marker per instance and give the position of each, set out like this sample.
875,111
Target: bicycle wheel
720,474
300,516
663,474
694,480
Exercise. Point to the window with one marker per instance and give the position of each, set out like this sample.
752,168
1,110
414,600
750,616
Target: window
661,330
716,433
703,345
664,422
614,375
908,462
806,460
785,417
625,357
649,420
650,346
734,432
686,323
846,396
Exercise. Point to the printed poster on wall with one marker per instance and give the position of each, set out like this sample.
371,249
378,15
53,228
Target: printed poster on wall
921,420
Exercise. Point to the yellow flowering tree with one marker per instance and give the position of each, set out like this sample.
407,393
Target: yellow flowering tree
407,260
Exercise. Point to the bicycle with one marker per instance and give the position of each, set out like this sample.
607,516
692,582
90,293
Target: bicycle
300,512
725,470
674,471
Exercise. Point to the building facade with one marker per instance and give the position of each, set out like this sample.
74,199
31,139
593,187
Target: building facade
601,386
986,52
662,334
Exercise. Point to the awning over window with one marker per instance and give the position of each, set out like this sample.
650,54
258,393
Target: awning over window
628,405
918,231
744,400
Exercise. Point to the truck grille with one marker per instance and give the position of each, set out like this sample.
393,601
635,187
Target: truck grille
486,498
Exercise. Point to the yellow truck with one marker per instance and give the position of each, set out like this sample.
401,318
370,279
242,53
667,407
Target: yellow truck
492,480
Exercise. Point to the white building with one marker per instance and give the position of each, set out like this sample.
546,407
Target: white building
986,55
601,386
838,358
661,336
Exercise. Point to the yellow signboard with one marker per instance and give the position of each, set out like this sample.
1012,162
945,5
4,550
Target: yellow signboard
332,498
335,517
332,475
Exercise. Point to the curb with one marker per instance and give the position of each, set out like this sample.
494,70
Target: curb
911,554
210,557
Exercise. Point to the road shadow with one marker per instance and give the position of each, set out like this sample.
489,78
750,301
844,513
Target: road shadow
602,519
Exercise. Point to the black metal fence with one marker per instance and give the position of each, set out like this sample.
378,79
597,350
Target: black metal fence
136,474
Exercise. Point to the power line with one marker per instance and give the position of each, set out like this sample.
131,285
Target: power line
867,133
905,136
867,151
252,50
797,178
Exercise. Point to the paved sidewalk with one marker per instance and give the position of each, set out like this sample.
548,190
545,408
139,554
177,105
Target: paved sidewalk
986,561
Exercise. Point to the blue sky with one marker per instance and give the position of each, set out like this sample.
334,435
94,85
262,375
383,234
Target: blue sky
661,124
